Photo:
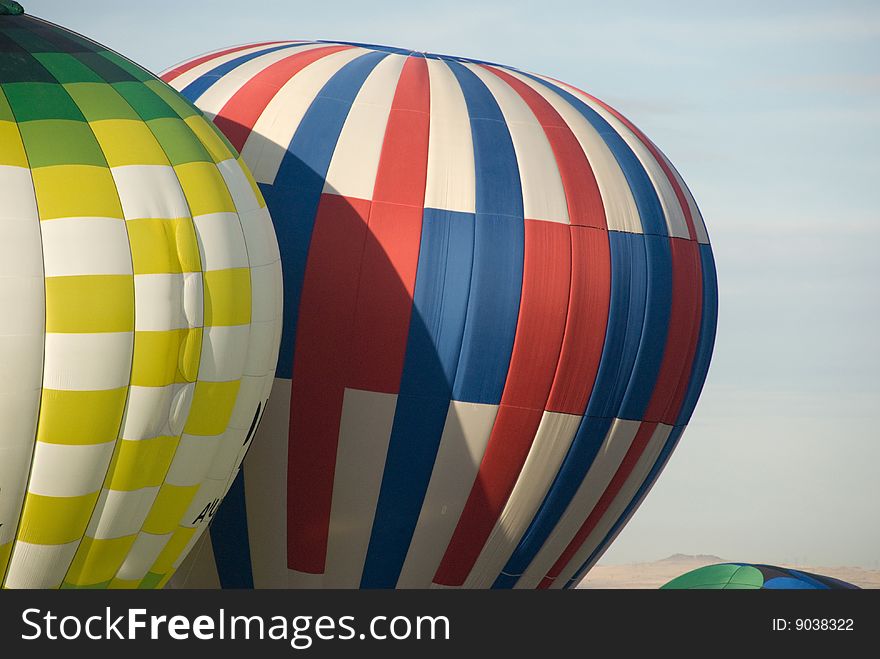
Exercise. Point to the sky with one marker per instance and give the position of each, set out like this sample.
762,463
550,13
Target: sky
771,112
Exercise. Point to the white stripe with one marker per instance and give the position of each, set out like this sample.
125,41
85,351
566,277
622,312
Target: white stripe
265,483
223,356
462,445
39,566
621,212
159,303
450,183
221,241
120,513
352,171
552,441
239,186
265,282
267,144
22,327
673,215
142,555
88,362
633,482
192,459
17,193
85,246
15,463
604,466
184,79
702,235
63,470
543,194
211,102
259,234
149,191
156,411
364,433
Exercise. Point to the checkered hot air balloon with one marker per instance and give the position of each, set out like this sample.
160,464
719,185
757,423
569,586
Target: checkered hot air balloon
140,287
499,309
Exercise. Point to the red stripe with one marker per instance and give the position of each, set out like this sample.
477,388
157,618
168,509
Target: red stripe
540,326
585,206
590,292
324,329
669,389
640,441
679,193
391,254
684,327
586,323
168,76
237,118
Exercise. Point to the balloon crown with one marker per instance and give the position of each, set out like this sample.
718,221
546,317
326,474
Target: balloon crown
10,8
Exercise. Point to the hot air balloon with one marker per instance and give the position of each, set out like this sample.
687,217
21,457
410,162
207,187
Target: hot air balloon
499,309
747,576
140,292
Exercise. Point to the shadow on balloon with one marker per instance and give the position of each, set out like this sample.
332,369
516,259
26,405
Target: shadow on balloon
361,464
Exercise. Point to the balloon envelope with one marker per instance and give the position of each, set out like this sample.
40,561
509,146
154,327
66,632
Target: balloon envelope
500,305
140,292
745,576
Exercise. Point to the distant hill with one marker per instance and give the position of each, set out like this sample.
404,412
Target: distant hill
692,558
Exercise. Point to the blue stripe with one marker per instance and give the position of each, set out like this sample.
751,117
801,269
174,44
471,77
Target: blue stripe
580,456
372,46
205,81
229,538
655,329
293,197
496,280
644,194
662,459
626,314
432,350
702,357
706,341
626,318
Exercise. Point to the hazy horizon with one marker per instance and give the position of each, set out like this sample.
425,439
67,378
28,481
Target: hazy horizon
771,115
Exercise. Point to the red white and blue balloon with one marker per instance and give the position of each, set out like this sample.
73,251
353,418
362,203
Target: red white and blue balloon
499,309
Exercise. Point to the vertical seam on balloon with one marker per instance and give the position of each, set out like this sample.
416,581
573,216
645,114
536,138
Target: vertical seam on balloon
14,540
118,198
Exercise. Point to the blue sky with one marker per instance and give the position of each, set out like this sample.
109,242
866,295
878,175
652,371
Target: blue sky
771,111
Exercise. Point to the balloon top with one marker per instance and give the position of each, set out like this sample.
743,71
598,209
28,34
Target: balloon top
10,8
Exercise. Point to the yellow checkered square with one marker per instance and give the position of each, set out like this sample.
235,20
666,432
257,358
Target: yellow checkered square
209,137
80,417
250,177
170,505
211,407
12,151
5,552
205,189
96,561
163,246
227,297
76,191
55,520
141,463
127,142
90,303
162,358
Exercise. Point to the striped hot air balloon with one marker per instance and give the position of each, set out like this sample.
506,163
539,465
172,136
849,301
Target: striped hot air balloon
499,309
140,309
